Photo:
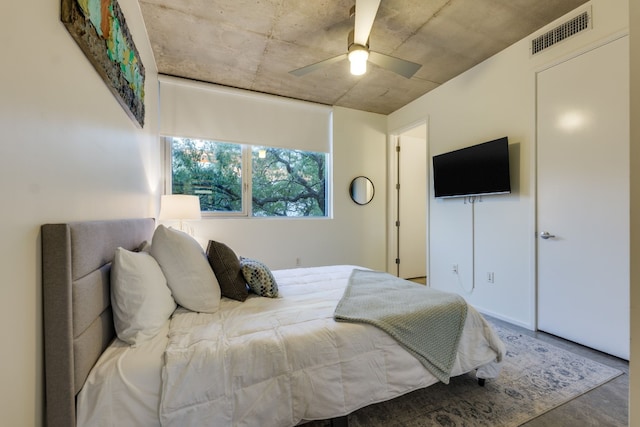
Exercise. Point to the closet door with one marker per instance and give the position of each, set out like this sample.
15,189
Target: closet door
412,206
583,198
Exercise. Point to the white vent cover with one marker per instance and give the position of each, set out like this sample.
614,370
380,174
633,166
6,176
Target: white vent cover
561,32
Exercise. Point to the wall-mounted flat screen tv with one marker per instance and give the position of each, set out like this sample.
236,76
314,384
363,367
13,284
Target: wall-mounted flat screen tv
472,171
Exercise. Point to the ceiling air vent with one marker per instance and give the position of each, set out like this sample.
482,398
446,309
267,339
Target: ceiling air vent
561,32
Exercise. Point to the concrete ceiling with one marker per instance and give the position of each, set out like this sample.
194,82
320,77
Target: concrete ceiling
253,44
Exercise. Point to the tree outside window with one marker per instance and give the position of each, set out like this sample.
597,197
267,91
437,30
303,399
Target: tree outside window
283,182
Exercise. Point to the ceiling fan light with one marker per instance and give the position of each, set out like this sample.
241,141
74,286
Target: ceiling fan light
358,59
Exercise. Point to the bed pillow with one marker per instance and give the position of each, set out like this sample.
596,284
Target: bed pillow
226,267
140,298
259,277
144,247
185,265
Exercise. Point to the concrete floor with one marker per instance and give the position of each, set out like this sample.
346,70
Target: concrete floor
604,406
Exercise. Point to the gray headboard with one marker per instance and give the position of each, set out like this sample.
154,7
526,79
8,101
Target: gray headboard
78,322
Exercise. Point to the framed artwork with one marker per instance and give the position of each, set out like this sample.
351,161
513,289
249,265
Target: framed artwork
100,29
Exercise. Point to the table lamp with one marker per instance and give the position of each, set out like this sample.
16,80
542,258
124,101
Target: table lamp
180,207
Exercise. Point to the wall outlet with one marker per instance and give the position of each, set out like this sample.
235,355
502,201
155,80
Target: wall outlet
298,262
490,277
454,268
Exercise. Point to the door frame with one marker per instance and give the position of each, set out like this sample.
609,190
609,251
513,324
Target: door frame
535,163
534,166
392,195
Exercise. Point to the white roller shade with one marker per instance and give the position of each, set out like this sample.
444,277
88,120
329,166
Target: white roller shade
206,111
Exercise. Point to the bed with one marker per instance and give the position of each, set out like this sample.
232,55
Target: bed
94,378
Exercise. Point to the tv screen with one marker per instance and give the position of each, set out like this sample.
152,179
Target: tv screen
472,171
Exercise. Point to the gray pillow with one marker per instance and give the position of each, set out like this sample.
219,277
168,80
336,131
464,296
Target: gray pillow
259,277
184,264
226,266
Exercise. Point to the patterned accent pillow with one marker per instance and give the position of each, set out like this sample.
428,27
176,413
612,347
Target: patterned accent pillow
259,278
226,266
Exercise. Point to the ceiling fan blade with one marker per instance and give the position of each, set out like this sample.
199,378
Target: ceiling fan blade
366,11
400,66
309,68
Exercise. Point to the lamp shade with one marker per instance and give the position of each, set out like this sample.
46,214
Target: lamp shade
180,206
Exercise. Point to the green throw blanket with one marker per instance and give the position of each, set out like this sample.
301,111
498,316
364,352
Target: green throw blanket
426,322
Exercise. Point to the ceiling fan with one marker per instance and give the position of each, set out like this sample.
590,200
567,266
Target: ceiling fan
358,52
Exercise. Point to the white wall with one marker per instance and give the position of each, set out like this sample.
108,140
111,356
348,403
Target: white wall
494,99
71,153
634,387
354,235
68,152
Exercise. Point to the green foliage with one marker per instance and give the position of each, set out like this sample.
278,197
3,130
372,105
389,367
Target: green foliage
210,170
284,182
288,183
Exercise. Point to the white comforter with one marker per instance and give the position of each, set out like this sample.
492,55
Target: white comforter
276,362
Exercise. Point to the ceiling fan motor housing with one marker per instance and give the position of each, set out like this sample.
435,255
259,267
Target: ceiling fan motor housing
353,45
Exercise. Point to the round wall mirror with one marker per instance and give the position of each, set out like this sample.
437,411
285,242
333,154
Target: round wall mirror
361,190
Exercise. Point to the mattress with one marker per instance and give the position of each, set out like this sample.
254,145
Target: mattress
334,368
123,388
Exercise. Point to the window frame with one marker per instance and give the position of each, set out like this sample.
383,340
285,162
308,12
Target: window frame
247,182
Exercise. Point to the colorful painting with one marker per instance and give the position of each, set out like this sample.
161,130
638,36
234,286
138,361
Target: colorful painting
99,28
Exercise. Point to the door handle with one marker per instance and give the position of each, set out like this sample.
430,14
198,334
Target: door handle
546,235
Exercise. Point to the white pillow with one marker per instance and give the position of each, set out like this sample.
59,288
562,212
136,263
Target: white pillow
188,273
140,298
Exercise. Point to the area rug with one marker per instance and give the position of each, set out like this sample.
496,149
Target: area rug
536,378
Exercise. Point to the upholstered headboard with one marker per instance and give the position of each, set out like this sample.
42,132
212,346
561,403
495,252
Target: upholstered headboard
78,321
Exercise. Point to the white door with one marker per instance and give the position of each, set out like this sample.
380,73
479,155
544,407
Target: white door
412,206
583,199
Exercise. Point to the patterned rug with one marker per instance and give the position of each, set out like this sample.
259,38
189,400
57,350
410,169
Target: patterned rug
536,378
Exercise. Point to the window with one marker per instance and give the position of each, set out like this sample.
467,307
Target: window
235,179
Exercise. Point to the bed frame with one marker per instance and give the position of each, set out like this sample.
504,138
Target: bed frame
78,321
